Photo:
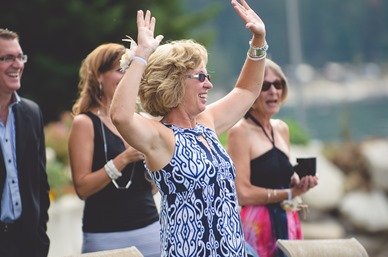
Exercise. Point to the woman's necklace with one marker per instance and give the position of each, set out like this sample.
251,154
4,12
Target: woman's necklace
106,157
250,116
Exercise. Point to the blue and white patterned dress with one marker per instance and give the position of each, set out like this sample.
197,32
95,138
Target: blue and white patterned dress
199,210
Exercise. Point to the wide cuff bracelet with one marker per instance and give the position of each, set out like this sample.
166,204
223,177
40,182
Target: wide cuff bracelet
257,53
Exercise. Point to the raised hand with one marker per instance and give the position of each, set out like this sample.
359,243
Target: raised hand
252,21
147,43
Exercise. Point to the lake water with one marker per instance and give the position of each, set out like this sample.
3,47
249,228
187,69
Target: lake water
361,119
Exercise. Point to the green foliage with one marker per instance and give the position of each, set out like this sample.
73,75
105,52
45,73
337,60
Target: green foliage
298,135
58,171
57,134
223,139
59,178
60,35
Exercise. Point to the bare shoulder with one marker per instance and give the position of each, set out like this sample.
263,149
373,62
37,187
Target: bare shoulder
82,124
240,125
279,125
282,128
240,130
238,139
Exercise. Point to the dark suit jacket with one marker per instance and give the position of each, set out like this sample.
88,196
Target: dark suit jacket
33,182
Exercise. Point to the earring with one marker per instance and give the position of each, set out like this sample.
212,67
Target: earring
100,89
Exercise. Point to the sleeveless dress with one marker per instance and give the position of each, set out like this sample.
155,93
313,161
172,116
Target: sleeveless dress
264,224
199,213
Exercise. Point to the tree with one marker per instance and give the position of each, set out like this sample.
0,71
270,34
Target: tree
59,35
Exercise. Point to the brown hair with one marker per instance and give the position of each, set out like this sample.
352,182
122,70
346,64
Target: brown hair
102,59
8,34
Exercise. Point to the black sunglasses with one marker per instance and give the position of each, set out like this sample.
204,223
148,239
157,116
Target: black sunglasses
278,84
201,77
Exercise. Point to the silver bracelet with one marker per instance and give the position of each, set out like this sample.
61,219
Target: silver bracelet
289,194
257,53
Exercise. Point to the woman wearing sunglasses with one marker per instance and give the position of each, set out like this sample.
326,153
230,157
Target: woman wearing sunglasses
199,211
265,180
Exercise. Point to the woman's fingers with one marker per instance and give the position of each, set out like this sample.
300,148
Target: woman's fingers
140,20
147,19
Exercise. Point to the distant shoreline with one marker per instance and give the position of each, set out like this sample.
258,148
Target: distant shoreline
326,92
356,119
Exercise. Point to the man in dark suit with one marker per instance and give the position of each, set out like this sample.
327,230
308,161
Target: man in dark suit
24,188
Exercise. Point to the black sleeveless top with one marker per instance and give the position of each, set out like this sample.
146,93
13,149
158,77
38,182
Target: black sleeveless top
112,209
272,169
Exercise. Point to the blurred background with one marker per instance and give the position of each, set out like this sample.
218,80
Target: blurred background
334,53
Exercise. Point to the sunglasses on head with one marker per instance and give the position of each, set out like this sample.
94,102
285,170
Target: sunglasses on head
278,84
201,77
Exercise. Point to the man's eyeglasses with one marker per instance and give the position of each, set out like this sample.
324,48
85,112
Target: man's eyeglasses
201,77
11,58
278,84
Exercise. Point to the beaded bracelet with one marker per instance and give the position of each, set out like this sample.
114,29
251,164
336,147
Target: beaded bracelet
257,53
112,171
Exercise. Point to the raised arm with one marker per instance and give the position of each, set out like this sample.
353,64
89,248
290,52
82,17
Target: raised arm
228,110
138,131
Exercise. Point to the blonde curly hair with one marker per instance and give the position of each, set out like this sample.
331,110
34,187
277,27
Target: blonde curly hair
162,87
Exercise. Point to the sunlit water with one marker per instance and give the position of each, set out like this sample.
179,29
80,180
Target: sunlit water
336,121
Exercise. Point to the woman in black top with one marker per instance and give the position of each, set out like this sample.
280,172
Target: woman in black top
260,149
108,173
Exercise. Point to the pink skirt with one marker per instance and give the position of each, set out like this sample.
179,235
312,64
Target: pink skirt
257,229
